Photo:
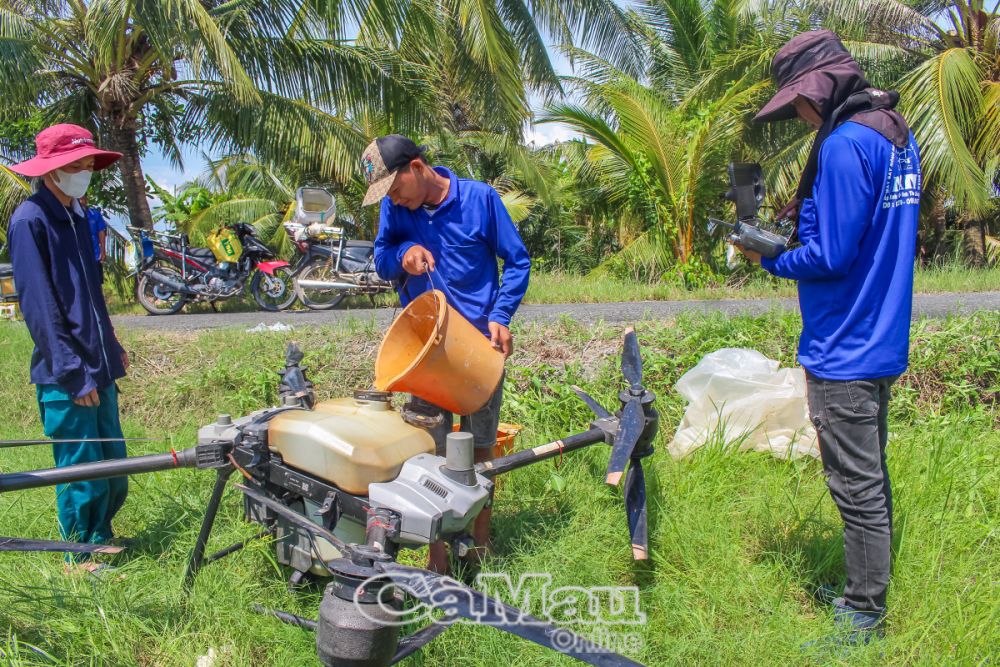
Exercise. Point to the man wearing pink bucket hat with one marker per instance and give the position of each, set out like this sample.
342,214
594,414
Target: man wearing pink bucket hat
437,230
77,357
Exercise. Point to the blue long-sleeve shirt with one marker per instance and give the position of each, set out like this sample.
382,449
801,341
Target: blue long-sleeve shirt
466,234
855,265
60,291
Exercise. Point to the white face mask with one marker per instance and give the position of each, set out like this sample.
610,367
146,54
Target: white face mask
73,185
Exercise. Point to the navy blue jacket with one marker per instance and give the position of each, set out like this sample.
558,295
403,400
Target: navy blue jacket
56,276
466,234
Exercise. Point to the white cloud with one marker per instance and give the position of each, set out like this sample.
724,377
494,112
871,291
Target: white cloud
543,134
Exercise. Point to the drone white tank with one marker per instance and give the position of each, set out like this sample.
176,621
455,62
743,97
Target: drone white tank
349,442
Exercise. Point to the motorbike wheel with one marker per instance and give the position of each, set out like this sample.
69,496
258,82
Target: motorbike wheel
274,292
318,298
158,299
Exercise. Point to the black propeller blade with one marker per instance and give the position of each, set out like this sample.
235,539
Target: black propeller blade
412,643
635,507
458,600
288,513
632,360
594,406
20,544
630,428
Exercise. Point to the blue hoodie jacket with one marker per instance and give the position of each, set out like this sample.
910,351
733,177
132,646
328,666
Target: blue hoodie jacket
855,265
466,234
56,276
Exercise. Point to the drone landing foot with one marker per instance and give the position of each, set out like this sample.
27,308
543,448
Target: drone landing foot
198,555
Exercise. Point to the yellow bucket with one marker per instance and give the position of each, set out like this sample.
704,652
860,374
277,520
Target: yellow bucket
434,353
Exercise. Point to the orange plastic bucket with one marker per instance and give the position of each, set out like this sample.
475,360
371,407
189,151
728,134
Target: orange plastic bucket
434,353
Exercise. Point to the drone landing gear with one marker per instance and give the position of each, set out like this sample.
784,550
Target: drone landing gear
198,559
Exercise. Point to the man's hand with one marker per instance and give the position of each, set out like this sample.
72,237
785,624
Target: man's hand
791,210
501,339
416,258
91,400
125,361
752,257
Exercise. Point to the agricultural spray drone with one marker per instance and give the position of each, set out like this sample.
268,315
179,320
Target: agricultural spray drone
342,485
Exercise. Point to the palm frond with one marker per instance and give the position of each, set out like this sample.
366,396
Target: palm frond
518,204
13,190
942,99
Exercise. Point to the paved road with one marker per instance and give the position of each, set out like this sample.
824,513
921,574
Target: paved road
924,305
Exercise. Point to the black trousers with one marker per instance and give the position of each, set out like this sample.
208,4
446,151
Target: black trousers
851,420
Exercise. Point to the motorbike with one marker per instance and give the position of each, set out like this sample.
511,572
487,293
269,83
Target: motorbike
173,273
330,265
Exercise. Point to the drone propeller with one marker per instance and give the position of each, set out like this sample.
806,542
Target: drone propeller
632,360
410,644
632,425
457,600
20,544
635,507
591,402
630,428
440,592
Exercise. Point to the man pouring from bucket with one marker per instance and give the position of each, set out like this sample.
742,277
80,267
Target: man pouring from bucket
438,231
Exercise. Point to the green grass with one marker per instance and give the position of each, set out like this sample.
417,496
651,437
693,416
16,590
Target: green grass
571,288
738,540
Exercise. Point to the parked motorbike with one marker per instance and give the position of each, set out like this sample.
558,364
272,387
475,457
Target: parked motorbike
173,273
330,266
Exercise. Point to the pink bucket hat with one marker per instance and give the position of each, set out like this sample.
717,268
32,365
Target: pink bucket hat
59,145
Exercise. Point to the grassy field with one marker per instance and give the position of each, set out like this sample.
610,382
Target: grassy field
571,288
738,540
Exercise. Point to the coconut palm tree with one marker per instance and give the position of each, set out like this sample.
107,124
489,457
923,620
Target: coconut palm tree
273,76
660,142
484,58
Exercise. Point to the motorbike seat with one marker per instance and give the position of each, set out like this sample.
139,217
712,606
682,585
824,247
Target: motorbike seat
6,270
202,255
360,244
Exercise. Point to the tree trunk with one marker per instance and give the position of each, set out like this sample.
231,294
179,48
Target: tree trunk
974,242
122,134
933,229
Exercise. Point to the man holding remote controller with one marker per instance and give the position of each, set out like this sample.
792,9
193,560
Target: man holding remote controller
857,206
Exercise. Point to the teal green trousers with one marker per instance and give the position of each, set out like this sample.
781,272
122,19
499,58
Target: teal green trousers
85,508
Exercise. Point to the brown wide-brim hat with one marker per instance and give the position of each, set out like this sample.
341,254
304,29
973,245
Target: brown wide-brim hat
63,144
814,65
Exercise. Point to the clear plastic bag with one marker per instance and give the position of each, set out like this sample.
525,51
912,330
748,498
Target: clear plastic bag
739,395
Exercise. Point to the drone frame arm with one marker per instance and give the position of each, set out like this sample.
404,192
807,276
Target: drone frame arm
200,456
603,430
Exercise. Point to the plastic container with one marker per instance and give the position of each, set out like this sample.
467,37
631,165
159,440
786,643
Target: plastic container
348,442
434,353
314,205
